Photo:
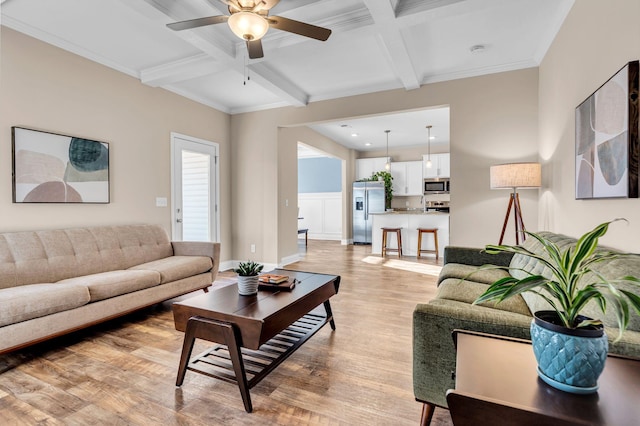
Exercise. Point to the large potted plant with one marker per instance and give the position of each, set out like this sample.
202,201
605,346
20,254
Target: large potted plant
386,177
248,277
570,348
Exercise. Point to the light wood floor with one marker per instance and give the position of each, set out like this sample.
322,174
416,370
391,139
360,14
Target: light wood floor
123,371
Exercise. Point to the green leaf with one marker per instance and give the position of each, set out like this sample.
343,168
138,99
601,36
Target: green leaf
634,299
496,290
588,323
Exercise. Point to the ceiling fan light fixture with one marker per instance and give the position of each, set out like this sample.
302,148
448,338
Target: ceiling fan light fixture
248,25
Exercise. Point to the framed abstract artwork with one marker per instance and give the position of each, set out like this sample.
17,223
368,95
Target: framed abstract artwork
53,168
607,145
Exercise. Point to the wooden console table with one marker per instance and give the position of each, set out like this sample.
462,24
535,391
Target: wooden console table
497,384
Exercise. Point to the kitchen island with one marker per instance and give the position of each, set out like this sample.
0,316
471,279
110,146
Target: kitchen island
410,221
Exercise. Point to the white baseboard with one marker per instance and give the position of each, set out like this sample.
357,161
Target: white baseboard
346,242
232,264
226,265
328,237
290,259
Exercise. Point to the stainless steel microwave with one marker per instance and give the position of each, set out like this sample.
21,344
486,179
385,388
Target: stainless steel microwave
436,186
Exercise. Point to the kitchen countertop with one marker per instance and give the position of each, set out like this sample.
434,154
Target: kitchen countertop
409,221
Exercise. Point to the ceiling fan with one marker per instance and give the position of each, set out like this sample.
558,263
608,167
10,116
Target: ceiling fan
249,20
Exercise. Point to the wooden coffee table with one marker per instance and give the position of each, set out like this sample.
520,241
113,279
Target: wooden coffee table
497,384
256,333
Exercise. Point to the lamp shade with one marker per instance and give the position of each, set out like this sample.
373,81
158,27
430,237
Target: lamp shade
516,175
248,25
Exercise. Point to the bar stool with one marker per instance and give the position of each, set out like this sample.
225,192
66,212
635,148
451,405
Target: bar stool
432,231
385,249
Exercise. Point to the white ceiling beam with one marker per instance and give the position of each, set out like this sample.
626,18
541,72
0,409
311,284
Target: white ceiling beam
393,43
219,59
413,7
181,70
159,11
381,10
273,81
395,50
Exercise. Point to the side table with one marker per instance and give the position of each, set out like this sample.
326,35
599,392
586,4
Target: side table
497,384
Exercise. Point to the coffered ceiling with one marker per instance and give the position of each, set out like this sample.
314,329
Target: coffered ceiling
375,44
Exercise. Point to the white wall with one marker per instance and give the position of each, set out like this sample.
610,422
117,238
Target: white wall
597,39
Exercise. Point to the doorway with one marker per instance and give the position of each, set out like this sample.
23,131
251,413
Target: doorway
319,193
194,189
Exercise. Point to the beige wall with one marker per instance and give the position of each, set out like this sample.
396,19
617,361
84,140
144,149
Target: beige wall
287,147
494,119
596,40
47,88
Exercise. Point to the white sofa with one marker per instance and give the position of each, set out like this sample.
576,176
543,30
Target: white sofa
56,281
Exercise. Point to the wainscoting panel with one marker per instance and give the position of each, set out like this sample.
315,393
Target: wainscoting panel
322,213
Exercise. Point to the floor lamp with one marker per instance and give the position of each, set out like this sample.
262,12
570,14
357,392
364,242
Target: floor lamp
514,176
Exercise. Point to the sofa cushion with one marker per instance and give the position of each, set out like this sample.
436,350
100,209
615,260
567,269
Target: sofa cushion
27,302
177,267
52,255
468,291
114,283
472,273
615,269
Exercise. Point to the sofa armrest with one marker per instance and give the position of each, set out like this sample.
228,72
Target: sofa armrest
475,256
199,248
434,353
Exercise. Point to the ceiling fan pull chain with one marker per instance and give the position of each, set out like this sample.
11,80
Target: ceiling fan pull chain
246,72
246,76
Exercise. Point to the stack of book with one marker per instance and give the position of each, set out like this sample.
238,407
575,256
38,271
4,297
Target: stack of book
275,282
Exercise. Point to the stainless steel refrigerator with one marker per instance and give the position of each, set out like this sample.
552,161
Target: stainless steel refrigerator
368,197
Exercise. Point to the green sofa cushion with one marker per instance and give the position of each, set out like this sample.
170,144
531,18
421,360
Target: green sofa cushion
468,291
472,273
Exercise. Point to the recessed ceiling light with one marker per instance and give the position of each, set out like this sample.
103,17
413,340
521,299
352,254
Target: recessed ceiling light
354,134
478,48
367,144
432,137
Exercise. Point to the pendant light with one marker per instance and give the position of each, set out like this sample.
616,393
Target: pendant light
428,147
387,165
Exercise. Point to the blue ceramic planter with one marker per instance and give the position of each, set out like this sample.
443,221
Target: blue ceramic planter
568,359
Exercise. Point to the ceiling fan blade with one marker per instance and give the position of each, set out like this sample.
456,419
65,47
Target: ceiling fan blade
200,22
255,49
301,28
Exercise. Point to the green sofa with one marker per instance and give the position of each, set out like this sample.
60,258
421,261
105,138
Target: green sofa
434,357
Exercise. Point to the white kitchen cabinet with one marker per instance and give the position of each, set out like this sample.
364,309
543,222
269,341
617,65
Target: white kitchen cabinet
440,165
365,167
407,177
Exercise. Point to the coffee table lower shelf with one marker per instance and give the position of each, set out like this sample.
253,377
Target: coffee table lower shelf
229,361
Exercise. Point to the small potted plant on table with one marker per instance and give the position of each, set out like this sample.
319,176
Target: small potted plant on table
248,277
570,348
